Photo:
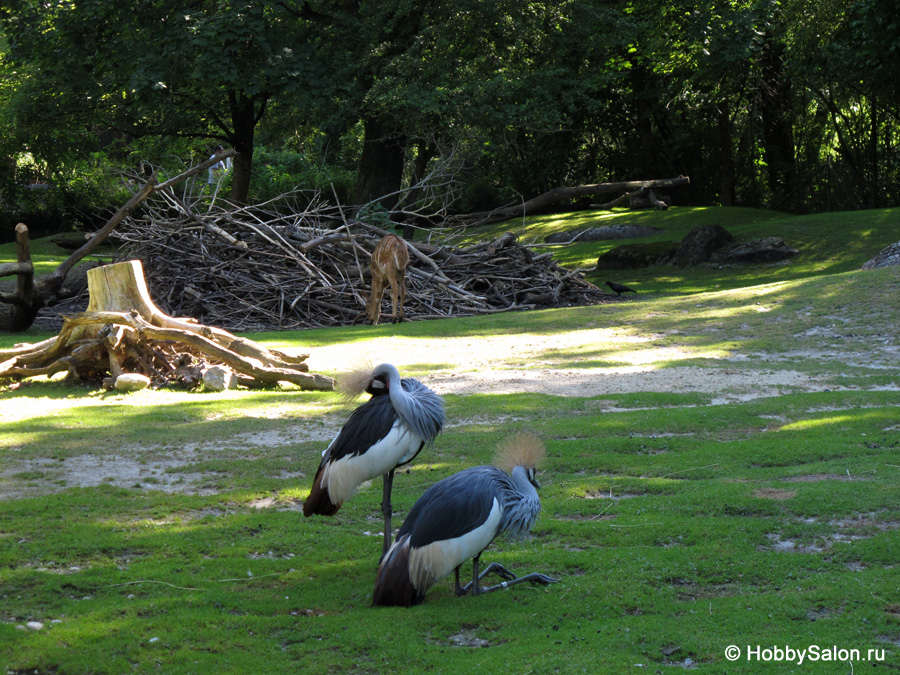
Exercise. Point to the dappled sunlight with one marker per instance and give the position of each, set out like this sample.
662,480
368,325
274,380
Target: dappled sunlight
721,346
649,333
288,400
805,425
505,351
576,357
662,356
27,407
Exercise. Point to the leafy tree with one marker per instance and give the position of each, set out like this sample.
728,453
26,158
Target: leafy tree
852,74
511,86
760,101
207,69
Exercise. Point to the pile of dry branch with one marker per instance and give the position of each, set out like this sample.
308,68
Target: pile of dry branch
258,268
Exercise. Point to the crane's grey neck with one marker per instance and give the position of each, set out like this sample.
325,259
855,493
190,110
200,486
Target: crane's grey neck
523,483
521,508
419,408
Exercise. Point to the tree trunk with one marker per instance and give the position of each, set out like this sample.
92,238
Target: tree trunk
380,172
778,134
643,122
874,189
425,152
244,117
726,155
240,178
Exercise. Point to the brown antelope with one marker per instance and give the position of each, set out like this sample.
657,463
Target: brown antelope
389,261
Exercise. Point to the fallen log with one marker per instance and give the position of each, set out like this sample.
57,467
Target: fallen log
559,194
645,199
123,332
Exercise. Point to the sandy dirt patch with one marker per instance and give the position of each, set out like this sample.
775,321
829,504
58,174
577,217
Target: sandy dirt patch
509,364
728,385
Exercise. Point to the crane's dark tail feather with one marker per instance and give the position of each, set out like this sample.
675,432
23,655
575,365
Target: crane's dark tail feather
318,502
393,586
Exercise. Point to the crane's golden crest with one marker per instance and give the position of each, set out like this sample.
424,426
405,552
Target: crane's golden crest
352,384
520,449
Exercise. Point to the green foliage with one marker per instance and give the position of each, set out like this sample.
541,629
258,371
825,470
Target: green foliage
77,195
375,214
157,70
528,96
279,172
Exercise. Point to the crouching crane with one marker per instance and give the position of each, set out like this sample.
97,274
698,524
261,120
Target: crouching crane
383,433
457,519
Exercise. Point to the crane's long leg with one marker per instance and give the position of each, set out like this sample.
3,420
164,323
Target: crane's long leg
501,571
387,510
534,578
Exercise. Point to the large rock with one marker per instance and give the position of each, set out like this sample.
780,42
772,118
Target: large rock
623,231
888,257
632,256
131,382
219,378
700,243
765,250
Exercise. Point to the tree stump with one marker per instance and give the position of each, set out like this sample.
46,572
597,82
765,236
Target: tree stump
123,331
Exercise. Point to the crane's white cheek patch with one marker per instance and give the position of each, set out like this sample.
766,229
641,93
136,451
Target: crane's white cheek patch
344,476
431,563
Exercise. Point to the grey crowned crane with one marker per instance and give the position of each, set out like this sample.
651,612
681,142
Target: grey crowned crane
383,433
456,519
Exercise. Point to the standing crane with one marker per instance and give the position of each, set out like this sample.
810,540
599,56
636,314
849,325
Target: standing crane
383,433
456,519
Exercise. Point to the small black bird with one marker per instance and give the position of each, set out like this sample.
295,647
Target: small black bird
618,289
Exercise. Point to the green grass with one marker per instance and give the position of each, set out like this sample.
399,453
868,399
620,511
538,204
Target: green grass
828,243
161,530
683,556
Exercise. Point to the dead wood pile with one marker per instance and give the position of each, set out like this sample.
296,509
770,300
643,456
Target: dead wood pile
125,342
255,268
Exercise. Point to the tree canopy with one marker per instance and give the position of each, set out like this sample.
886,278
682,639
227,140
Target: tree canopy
790,104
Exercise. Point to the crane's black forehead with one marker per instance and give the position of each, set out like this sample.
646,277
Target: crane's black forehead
382,386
